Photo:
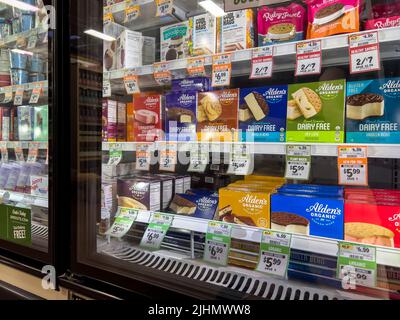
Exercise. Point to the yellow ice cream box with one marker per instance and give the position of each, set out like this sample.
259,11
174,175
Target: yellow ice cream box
247,207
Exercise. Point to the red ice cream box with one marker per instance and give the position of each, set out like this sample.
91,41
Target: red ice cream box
372,223
147,125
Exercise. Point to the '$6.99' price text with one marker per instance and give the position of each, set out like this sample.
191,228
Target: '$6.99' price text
153,236
215,250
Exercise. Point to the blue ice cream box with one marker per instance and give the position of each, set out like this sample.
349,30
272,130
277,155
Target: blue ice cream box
373,111
201,205
262,114
308,215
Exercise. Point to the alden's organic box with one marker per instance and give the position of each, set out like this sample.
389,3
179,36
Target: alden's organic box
315,112
247,207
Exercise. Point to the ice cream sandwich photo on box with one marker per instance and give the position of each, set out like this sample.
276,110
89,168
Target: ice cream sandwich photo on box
373,111
315,112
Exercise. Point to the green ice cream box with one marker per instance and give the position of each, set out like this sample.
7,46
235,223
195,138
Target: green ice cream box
315,112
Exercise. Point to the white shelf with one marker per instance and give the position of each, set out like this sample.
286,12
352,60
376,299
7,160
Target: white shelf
389,151
26,144
23,35
24,198
284,54
27,86
385,256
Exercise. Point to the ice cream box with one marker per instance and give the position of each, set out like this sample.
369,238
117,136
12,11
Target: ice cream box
149,50
281,24
309,215
236,31
180,116
167,188
330,17
121,122
250,208
41,127
39,186
147,126
262,114
26,115
139,193
175,41
130,121
204,34
125,51
197,206
5,124
217,117
265,178
109,120
373,111
191,84
372,224
315,112
14,124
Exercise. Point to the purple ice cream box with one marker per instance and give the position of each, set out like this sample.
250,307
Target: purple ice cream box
180,116
191,84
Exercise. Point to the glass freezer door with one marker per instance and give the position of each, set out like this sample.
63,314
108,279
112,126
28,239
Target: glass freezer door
26,91
237,153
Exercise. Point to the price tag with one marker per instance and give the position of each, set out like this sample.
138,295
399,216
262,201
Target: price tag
123,222
33,152
164,7
199,157
308,58
19,153
221,70
364,52
143,156
156,231
4,152
356,265
168,156
8,94
106,88
131,13
353,165
131,84
115,154
162,74
195,67
32,41
19,95
35,96
218,242
241,160
262,63
298,162
274,253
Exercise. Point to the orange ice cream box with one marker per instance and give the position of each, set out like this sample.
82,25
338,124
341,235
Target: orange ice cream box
369,223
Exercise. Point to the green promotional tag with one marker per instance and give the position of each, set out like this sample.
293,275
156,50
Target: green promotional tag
274,253
218,242
123,222
156,231
356,265
16,225
298,162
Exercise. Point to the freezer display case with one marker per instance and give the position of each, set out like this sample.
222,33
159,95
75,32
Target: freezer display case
225,150
27,96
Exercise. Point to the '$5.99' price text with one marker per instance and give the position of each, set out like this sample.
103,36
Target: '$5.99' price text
351,172
295,168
